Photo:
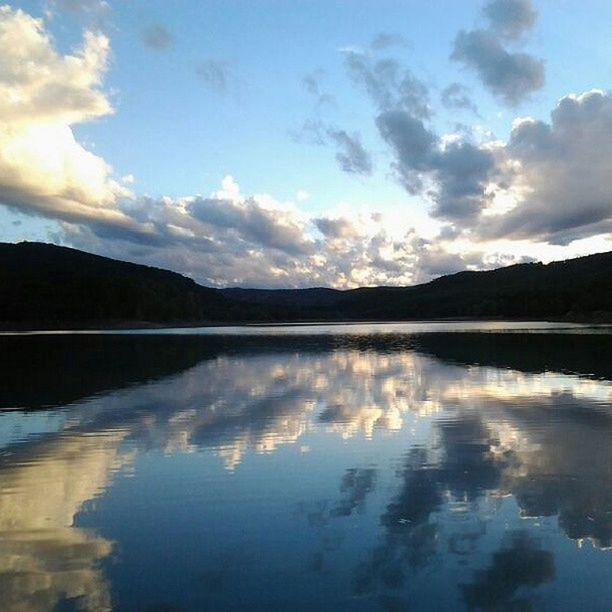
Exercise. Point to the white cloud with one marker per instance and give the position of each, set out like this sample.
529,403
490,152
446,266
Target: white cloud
493,190
43,168
561,173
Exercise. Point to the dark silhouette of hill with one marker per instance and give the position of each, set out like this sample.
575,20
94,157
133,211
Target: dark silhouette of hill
52,284
44,285
580,354
574,288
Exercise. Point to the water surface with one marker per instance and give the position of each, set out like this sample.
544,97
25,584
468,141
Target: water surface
335,469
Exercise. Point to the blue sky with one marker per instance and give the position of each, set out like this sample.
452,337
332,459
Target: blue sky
264,92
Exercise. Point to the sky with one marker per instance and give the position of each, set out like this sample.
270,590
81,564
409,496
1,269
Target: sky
297,143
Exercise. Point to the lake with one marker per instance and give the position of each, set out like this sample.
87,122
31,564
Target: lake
453,466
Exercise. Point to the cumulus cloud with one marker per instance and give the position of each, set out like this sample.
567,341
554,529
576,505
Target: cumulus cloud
511,76
552,178
252,222
335,227
561,170
43,169
157,37
225,238
412,143
230,239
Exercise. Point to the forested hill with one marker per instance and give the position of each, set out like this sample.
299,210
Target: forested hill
575,288
45,285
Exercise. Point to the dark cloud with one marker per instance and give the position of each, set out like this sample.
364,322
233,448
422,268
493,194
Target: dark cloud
511,77
388,83
456,96
519,565
356,484
351,155
215,75
460,170
412,143
157,37
510,18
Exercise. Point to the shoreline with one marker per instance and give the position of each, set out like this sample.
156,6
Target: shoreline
32,327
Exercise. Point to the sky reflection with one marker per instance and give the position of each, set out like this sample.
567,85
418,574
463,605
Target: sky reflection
379,472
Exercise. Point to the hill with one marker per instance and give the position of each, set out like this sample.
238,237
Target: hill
574,288
48,284
44,285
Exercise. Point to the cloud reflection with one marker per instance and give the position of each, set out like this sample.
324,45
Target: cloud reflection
472,435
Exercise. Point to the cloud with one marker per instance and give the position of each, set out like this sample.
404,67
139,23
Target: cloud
157,37
351,157
230,239
462,171
335,227
553,178
454,174
215,75
253,222
389,84
561,171
412,143
95,14
457,172
510,76
385,40
43,169
456,96
312,132
510,18
312,83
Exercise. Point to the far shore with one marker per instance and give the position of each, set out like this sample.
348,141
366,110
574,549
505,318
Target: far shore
602,318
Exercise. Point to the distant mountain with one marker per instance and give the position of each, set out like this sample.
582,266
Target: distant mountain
45,285
574,288
316,296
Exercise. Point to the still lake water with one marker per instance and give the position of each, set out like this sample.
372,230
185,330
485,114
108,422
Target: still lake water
421,467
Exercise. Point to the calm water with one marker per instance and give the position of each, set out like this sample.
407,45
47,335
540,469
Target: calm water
319,471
